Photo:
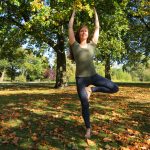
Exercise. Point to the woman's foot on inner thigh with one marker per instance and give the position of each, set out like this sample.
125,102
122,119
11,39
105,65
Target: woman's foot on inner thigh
88,91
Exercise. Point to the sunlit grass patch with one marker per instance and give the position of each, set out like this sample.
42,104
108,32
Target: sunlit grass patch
20,91
39,103
11,104
100,106
11,123
37,111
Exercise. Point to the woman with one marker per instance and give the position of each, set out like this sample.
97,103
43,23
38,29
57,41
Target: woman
83,52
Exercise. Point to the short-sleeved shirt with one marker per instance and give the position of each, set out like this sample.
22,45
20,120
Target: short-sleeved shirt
84,59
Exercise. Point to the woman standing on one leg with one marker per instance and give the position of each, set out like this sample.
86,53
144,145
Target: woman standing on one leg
83,51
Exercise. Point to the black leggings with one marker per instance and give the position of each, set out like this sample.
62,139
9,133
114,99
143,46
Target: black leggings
101,85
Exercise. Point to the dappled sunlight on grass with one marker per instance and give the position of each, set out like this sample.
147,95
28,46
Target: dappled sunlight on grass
39,103
37,91
46,118
37,111
11,123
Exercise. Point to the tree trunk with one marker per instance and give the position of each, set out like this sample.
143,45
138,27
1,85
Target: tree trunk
107,68
12,74
2,76
61,64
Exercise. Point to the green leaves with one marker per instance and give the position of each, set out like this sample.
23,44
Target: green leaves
36,5
3,64
114,27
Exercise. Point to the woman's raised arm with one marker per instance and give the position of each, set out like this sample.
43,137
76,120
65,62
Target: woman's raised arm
70,29
97,26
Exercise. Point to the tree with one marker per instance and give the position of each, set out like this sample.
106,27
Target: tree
42,23
10,40
137,39
3,66
120,75
114,26
50,74
70,71
33,67
138,71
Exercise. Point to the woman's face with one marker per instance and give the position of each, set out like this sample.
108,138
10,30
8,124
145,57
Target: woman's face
83,34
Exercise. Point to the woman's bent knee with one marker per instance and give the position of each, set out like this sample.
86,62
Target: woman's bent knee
115,89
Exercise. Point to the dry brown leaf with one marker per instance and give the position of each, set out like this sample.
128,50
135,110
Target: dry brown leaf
95,132
130,131
148,141
107,139
90,142
5,142
34,137
144,148
124,148
108,147
44,143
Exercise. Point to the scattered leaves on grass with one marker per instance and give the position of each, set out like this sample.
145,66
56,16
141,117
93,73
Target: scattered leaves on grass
51,119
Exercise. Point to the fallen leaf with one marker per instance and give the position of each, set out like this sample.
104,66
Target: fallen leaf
90,142
148,141
108,147
124,148
144,148
5,142
107,139
34,137
95,132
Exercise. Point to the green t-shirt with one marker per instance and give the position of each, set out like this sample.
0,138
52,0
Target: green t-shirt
84,59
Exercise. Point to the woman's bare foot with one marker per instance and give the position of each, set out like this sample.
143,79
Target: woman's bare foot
88,91
88,133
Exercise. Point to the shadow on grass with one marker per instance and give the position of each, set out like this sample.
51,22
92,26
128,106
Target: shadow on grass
40,121
16,86
141,115
53,121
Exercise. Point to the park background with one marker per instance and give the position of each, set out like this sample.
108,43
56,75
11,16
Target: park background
37,79
34,40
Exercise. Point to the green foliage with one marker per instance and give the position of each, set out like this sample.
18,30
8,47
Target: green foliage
70,71
33,67
146,75
114,26
12,70
21,78
137,40
3,64
100,68
24,64
120,75
139,71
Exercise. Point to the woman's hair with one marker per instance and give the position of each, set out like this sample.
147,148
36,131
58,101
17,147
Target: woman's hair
77,38
77,35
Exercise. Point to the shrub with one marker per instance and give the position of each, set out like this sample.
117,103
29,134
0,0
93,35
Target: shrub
21,78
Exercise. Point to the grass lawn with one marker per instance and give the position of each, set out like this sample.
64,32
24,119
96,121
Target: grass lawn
36,116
